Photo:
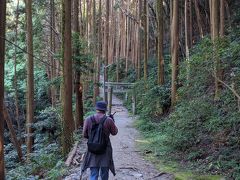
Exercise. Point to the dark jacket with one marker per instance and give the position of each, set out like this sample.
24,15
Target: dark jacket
102,160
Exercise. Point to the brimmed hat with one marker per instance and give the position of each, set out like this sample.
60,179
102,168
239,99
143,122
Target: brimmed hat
101,105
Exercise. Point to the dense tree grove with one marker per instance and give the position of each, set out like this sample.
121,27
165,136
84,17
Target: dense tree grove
182,55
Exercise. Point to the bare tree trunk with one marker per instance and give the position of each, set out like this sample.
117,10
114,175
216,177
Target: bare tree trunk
170,21
99,44
160,42
215,35
222,17
127,45
111,33
140,39
187,34
127,40
12,133
198,18
2,57
190,24
94,39
76,30
15,72
87,20
52,48
107,34
117,44
228,14
30,79
67,77
174,51
146,33
210,11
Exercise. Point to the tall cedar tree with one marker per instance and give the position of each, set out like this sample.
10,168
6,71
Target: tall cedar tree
174,51
215,34
222,17
146,34
188,34
199,22
12,132
67,79
2,56
78,90
160,42
15,71
140,39
99,40
52,49
94,39
107,33
30,78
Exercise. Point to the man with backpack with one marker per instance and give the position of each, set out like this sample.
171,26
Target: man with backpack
97,129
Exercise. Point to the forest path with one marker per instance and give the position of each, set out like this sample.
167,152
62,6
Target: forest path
129,164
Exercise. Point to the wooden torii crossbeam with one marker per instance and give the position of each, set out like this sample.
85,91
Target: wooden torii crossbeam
119,87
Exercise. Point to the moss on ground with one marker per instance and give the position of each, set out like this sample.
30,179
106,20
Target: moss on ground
171,166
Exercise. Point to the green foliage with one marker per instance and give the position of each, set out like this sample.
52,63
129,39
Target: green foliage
152,100
48,119
45,163
200,131
83,61
123,77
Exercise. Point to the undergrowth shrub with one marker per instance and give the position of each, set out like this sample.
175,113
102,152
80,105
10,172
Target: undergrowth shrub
45,163
199,130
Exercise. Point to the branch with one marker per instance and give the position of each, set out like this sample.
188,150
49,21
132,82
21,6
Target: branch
229,87
23,50
128,14
71,155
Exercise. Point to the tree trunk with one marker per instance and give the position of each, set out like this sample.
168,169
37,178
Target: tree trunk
228,14
160,42
107,33
67,78
99,45
127,46
190,24
76,30
210,12
215,19
95,52
2,57
199,22
12,133
222,17
30,79
215,35
52,48
117,44
187,33
139,40
15,72
174,51
146,33
128,39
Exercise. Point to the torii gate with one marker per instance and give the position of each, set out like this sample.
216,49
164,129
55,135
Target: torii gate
119,87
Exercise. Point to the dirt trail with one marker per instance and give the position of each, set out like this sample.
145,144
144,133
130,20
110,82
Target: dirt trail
129,164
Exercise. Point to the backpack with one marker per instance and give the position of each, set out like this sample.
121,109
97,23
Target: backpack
97,142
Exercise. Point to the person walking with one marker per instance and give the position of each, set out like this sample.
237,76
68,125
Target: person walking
100,163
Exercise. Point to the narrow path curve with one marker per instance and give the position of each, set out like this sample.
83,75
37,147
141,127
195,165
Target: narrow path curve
129,164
